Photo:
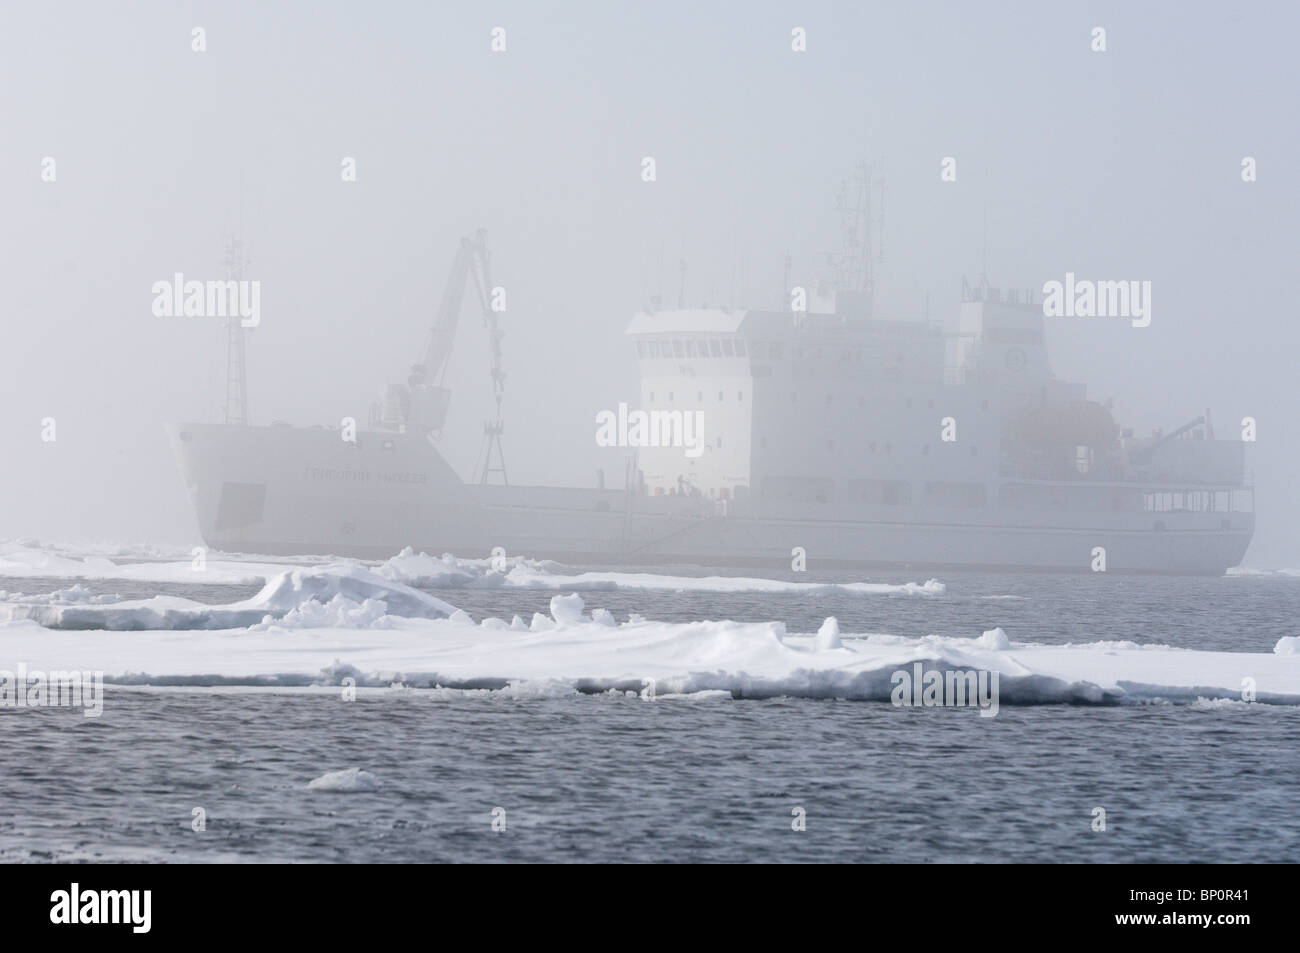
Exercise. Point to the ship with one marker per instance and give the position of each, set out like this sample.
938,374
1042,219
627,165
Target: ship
824,436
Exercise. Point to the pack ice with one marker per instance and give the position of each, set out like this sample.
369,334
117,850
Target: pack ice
321,625
450,572
341,594
149,564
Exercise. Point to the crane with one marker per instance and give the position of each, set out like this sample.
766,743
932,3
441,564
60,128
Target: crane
1143,454
421,403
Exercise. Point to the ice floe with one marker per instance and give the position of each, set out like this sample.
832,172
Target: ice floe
347,781
343,594
586,654
451,572
30,559
322,624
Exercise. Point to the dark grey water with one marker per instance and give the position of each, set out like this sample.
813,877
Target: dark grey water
609,778
603,778
1230,614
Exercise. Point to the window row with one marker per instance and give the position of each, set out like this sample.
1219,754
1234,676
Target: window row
695,348
691,348
699,396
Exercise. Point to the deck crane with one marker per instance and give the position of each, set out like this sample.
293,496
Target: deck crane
421,403
1143,455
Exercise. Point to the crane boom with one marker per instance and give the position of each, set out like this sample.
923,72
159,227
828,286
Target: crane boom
471,257
1144,454
423,400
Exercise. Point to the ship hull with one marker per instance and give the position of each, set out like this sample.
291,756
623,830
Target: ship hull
300,491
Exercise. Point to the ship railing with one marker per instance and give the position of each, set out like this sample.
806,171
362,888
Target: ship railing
1199,500
1055,473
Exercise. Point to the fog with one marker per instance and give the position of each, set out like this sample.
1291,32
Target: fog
1123,164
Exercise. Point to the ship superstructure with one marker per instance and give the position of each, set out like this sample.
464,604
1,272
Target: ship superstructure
853,438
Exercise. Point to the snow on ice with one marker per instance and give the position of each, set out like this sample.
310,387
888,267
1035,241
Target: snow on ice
430,572
343,594
449,572
347,781
320,624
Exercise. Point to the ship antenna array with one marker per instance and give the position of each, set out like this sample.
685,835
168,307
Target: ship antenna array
853,266
236,409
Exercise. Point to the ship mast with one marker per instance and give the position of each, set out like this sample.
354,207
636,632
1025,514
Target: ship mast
854,275
236,373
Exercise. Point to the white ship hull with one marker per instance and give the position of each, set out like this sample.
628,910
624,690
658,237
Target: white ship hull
296,491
